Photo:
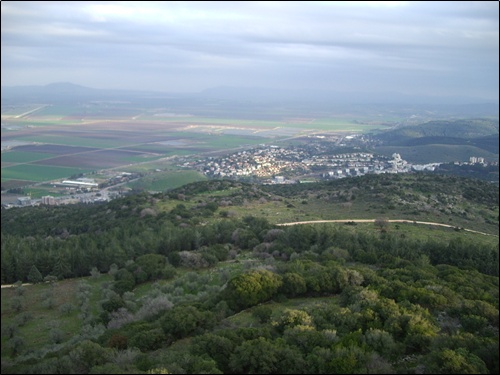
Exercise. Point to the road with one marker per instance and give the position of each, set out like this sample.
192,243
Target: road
390,221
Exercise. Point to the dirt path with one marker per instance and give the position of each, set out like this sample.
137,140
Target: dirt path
390,221
12,285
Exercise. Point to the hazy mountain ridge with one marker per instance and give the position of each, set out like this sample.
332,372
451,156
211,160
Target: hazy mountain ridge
251,96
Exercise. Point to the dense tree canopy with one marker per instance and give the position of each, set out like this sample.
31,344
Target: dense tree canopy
227,295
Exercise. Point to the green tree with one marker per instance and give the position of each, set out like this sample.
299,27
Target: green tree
217,347
382,224
17,345
182,321
147,341
124,281
382,342
306,338
61,268
293,284
87,355
251,288
35,276
258,356
262,313
459,361
152,265
17,304
291,318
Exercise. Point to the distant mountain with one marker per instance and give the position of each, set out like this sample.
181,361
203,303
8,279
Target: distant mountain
54,92
57,87
67,92
334,96
66,88
257,99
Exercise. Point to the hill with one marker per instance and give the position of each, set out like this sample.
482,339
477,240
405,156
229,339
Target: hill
453,130
442,141
200,280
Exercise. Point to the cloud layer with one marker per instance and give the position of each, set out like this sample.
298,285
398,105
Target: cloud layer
432,48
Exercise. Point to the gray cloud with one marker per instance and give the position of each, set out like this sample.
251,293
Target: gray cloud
435,48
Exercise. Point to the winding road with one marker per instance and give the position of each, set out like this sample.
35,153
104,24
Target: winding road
390,221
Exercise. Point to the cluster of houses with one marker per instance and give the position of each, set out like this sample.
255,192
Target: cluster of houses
262,162
269,161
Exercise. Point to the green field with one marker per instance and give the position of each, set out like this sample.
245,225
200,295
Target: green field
39,173
116,125
58,110
340,125
214,121
228,141
84,125
38,192
74,141
24,157
140,159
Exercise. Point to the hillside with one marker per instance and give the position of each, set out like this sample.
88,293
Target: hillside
449,131
442,141
199,279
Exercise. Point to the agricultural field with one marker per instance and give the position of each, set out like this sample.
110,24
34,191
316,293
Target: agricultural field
41,143
34,173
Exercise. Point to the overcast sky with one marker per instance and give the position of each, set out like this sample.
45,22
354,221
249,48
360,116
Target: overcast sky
436,48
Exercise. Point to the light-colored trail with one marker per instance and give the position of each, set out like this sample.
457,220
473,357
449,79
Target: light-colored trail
390,221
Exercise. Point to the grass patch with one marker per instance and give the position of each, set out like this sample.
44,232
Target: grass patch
37,332
39,192
162,181
75,141
24,157
39,172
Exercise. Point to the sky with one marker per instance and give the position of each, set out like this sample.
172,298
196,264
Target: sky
433,48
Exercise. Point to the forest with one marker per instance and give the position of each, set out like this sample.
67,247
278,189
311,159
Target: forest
185,282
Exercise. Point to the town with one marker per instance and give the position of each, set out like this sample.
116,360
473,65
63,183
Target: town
279,164
312,161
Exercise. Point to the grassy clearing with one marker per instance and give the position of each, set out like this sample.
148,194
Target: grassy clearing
292,210
156,164
245,318
420,232
38,331
313,207
162,181
39,172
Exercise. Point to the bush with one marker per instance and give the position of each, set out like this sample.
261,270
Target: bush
147,340
262,313
251,288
